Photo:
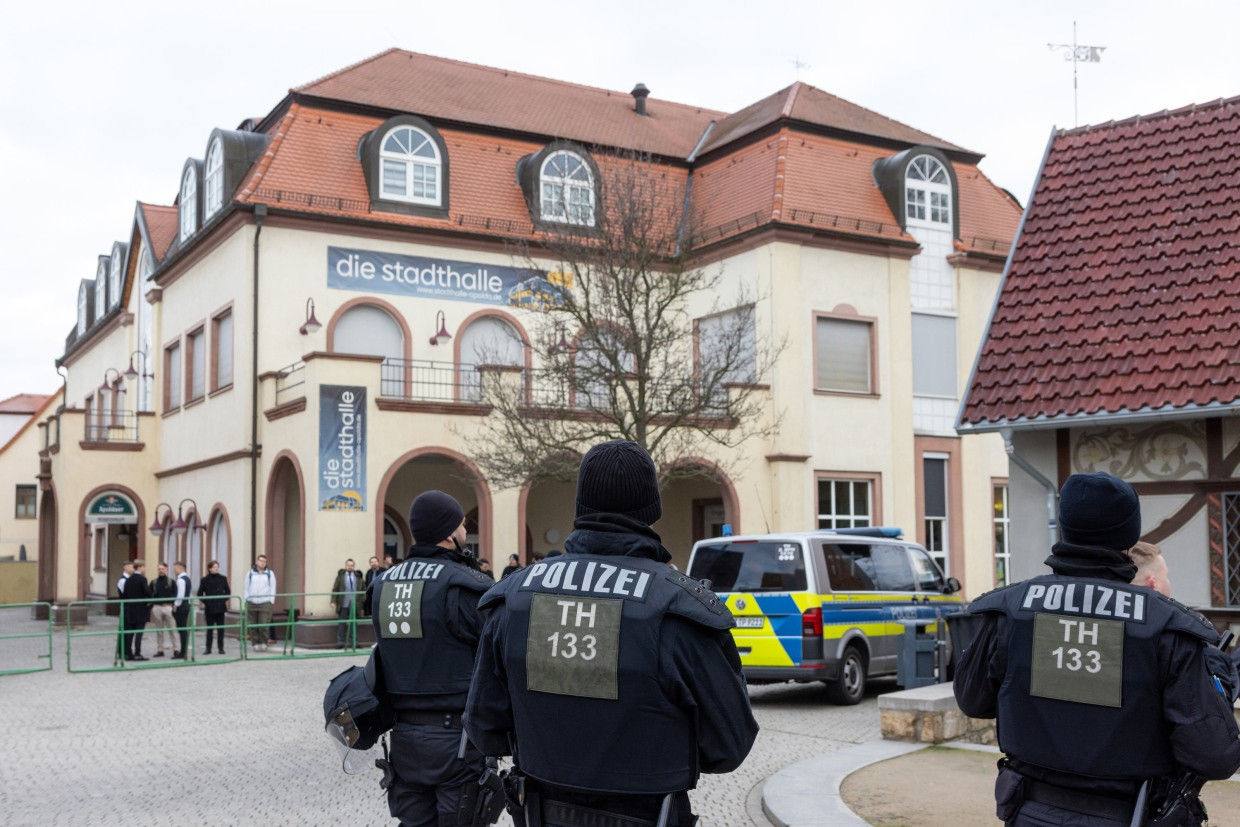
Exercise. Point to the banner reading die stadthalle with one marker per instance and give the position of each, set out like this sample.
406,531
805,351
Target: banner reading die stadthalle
342,448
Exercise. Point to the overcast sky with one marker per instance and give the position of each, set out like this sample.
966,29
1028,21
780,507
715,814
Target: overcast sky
101,103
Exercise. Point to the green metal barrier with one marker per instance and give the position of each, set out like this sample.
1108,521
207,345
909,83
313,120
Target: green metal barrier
298,636
11,617
101,642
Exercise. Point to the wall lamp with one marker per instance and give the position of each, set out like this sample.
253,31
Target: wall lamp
441,321
117,384
312,324
559,346
132,373
180,526
157,525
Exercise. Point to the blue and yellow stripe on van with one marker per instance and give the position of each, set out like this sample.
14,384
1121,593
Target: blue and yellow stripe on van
775,638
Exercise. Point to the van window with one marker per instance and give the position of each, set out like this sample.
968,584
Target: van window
751,567
929,578
863,567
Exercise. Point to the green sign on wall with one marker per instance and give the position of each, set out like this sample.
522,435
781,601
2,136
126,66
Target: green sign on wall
111,508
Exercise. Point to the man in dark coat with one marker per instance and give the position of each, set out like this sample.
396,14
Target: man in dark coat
615,676
1098,684
137,608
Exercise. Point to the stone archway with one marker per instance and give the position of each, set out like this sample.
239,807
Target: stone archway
49,552
285,536
433,468
698,500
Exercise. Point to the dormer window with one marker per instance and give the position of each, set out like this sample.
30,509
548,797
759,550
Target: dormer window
566,188
82,321
116,273
101,289
405,161
928,191
188,202
213,180
411,164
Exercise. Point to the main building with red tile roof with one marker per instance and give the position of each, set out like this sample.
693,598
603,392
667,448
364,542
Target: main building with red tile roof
198,373
1115,340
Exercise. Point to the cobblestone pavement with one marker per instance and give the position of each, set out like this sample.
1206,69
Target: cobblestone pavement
243,743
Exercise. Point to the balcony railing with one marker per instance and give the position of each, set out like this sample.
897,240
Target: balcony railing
290,382
112,427
423,380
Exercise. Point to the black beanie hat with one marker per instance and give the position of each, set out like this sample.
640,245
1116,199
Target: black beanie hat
433,516
618,477
1099,510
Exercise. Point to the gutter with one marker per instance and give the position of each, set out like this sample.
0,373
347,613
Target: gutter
260,213
1052,490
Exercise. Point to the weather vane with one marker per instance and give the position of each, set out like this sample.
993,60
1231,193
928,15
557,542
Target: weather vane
798,64
1077,54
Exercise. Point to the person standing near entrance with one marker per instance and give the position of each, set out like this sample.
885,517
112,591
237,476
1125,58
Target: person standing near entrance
126,573
137,610
163,590
347,591
260,597
426,622
214,590
180,607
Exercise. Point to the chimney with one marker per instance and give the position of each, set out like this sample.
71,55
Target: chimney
639,94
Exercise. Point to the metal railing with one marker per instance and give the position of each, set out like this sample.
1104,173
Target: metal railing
121,426
423,380
288,380
19,651
297,635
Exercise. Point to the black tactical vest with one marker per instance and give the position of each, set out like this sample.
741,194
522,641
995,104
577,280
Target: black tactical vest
592,695
1082,692
420,655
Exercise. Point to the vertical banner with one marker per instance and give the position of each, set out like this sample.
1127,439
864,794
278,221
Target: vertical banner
342,448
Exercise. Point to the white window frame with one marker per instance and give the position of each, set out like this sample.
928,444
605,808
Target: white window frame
213,180
1003,532
558,188
938,527
115,277
101,290
870,327
220,542
82,303
195,364
833,516
927,192
187,205
411,162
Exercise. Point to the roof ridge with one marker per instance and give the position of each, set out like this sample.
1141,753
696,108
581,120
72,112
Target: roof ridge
509,73
264,163
791,100
348,68
878,114
1190,109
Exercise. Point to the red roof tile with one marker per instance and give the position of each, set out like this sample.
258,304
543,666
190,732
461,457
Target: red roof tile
449,90
1123,294
36,413
161,222
23,403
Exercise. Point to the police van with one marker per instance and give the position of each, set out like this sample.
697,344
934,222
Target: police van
825,605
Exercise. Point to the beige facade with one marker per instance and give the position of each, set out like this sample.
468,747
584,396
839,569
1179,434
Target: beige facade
19,485
229,439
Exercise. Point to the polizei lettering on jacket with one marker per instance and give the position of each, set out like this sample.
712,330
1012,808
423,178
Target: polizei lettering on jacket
1091,599
587,577
414,570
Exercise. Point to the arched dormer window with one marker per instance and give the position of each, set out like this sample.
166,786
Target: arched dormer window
116,273
101,289
405,161
187,204
213,180
82,320
566,189
560,183
410,166
927,191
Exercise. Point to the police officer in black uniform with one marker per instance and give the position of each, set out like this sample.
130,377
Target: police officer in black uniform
425,612
1098,685
614,675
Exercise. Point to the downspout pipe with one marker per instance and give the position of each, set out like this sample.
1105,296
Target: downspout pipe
260,213
1052,490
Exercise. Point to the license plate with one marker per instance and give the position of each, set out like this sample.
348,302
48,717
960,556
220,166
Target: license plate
750,622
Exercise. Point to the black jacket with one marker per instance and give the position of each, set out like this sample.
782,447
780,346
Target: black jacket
615,673
1088,714
137,601
214,587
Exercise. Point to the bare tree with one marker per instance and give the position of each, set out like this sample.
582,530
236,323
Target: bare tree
632,339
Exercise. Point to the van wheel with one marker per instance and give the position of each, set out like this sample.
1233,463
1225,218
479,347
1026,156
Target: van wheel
850,687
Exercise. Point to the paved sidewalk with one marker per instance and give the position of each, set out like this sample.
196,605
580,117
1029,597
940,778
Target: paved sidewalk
236,743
